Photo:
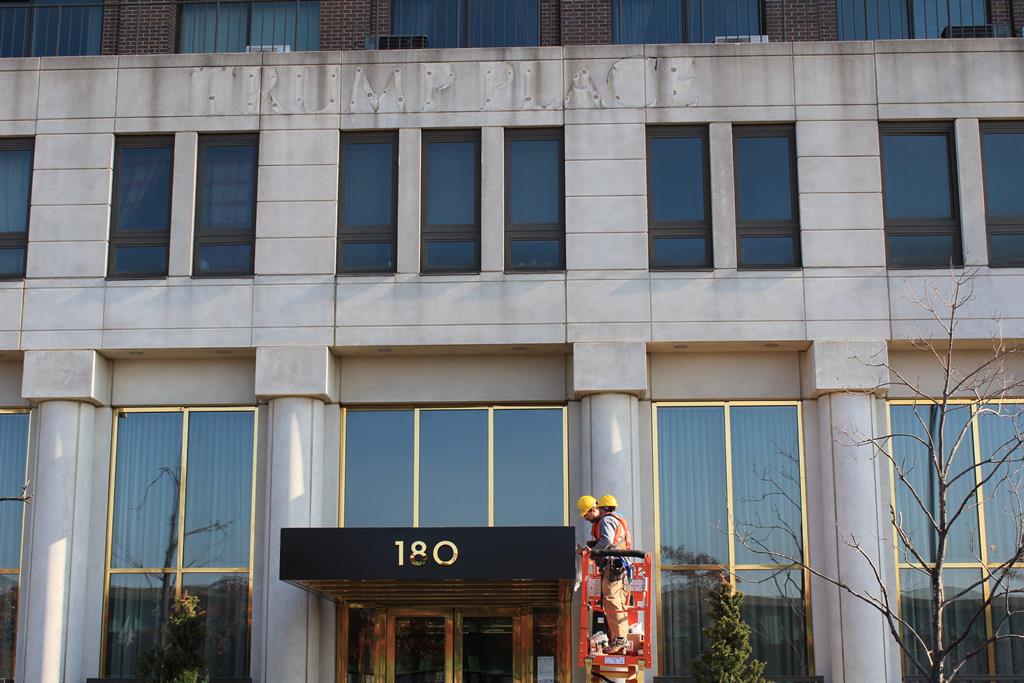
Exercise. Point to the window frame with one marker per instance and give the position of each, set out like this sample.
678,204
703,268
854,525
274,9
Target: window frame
762,228
179,570
368,233
662,229
20,240
535,231
443,232
731,564
223,236
119,238
999,226
923,227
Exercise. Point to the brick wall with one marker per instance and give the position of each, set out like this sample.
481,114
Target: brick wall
550,22
798,20
139,29
586,22
1000,12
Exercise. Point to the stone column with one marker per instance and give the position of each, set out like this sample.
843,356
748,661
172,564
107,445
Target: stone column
67,385
846,380
286,621
609,378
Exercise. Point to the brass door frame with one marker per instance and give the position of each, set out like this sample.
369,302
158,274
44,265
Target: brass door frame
449,639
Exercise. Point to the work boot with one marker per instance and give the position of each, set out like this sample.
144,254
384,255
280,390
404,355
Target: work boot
617,647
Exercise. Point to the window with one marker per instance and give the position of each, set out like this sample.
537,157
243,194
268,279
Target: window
140,220
678,198
1002,146
491,466
922,211
684,21
48,28
726,471
15,190
369,203
238,26
897,19
225,206
451,202
984,470
468,23
534,199
181,506
13,456
767,214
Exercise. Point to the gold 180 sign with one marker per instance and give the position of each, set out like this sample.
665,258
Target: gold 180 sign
418,553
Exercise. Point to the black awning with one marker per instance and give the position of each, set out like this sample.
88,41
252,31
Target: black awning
452,565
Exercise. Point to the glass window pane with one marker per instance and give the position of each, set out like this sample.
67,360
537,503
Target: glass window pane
439,20
1006,249
535,255
922,251
8,622
873,20
218,489
419,649
487,649
684,608
138,606
915,433
453,468
144,188
707,19
934,19
775,250
213,27
73,29
285,26
368,257
140,261
14,33
15,177
1004,183
510,23
916,172
528,467
224,598
764,187
766,483
13,453
676,179
12,263
773,607
647,21
362,638
680,252
454,256
368,193
1000,430
915,603
228,187
1008,618
225,258
451,182
691,476
148,463
378,468
534,182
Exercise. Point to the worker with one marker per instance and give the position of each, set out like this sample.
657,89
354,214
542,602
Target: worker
610,531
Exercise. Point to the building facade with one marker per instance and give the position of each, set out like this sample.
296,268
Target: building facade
419,290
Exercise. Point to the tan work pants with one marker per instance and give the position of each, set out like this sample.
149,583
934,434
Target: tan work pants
615,597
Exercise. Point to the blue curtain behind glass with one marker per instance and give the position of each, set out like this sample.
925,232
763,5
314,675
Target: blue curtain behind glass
773,607
690,21
13,451
440,21
73,28
503,23
213,27
873,19
296,25
378,468
15,175
999,431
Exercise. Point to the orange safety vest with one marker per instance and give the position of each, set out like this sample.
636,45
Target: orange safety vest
623,540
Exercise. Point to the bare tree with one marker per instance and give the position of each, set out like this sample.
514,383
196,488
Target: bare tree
941,474
23,498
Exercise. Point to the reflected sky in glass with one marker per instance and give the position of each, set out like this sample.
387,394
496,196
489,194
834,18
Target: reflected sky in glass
773,607
676,179
378,468
453,468
228,187
528,467
763,182
451,183
368,197
1004,181
534,187
916,172
144,188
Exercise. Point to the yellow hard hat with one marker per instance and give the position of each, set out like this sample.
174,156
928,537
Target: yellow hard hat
607,501
585,504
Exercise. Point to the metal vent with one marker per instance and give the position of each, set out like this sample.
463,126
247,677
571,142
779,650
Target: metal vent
396,42
742,39
268,48
976,31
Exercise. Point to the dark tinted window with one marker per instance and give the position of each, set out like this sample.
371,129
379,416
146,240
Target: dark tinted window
237,26
468,23
15,187
679,224
1002,153
767,222
367,226
451,201
684,21
41,29
141,215
920,196
534,200
890,19
226,205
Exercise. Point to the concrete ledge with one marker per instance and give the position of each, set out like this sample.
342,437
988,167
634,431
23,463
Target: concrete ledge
838,366
609,367
296,371
66,375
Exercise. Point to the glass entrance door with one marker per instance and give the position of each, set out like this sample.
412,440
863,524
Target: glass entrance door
419,647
